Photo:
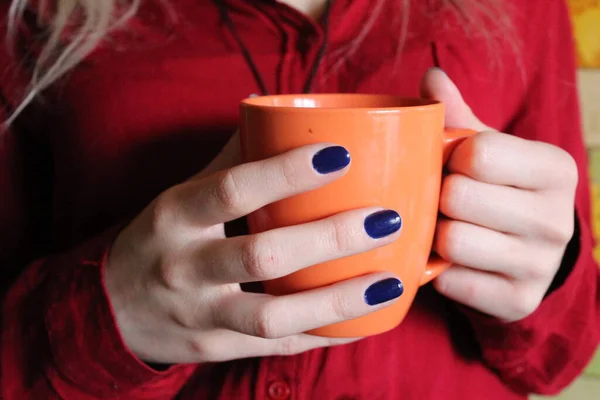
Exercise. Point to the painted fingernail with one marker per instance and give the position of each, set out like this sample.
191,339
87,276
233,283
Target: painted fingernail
382,291
383,223
331,159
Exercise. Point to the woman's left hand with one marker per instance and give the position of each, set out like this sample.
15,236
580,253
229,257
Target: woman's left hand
510,209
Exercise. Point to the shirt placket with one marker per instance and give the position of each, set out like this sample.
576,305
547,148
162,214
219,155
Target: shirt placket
301,44
276,379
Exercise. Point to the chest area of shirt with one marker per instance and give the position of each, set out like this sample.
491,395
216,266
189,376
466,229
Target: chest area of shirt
137,120
189,73
174,94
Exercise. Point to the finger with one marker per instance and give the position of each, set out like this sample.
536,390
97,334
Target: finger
279,316
437,85
501,208
487,292
184,345
224,345
280,252
238,191
502,159
484,249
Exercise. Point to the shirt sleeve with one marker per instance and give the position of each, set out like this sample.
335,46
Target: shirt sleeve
544,352
59,338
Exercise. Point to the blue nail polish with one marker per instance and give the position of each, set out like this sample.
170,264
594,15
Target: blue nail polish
382,291
383,223
331,159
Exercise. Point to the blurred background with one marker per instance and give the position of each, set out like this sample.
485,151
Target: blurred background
586,24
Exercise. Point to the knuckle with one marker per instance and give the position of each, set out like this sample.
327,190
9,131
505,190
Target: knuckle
540,264
289,173
164,212
536,270
453,194
265,324
560,234
340,306
567,173
187,319
340,236
228,192
199,349
525,302
452,243
290,346
258,258
554,230
442,284
456,286
171,276
471,292
482,157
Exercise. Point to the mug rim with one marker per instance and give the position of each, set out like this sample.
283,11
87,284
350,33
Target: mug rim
410,103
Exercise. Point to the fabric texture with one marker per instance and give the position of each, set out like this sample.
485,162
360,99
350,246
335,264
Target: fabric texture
157,102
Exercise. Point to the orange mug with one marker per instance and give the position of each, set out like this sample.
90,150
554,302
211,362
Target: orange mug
398,148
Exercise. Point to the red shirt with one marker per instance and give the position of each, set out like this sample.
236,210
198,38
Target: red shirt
152,106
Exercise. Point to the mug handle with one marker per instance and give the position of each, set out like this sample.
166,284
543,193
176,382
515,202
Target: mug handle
451,138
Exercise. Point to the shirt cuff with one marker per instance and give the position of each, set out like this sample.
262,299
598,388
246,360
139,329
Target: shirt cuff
87,348
550,347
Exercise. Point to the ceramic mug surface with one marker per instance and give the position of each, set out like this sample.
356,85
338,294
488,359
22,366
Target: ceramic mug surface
398,148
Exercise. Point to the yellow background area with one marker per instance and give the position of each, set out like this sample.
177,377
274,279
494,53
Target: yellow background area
586,22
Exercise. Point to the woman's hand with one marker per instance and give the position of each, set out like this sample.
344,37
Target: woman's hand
173,277
510,209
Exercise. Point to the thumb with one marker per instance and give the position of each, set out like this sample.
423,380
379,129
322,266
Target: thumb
438,86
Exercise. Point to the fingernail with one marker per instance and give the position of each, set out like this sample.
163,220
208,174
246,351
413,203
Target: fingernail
383,223
382,291
331,159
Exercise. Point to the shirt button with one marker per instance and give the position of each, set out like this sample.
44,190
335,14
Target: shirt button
519,370
279,390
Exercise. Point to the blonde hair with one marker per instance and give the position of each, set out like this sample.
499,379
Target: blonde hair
74,28
86,21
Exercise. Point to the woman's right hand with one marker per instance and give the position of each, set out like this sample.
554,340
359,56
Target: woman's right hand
173,278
